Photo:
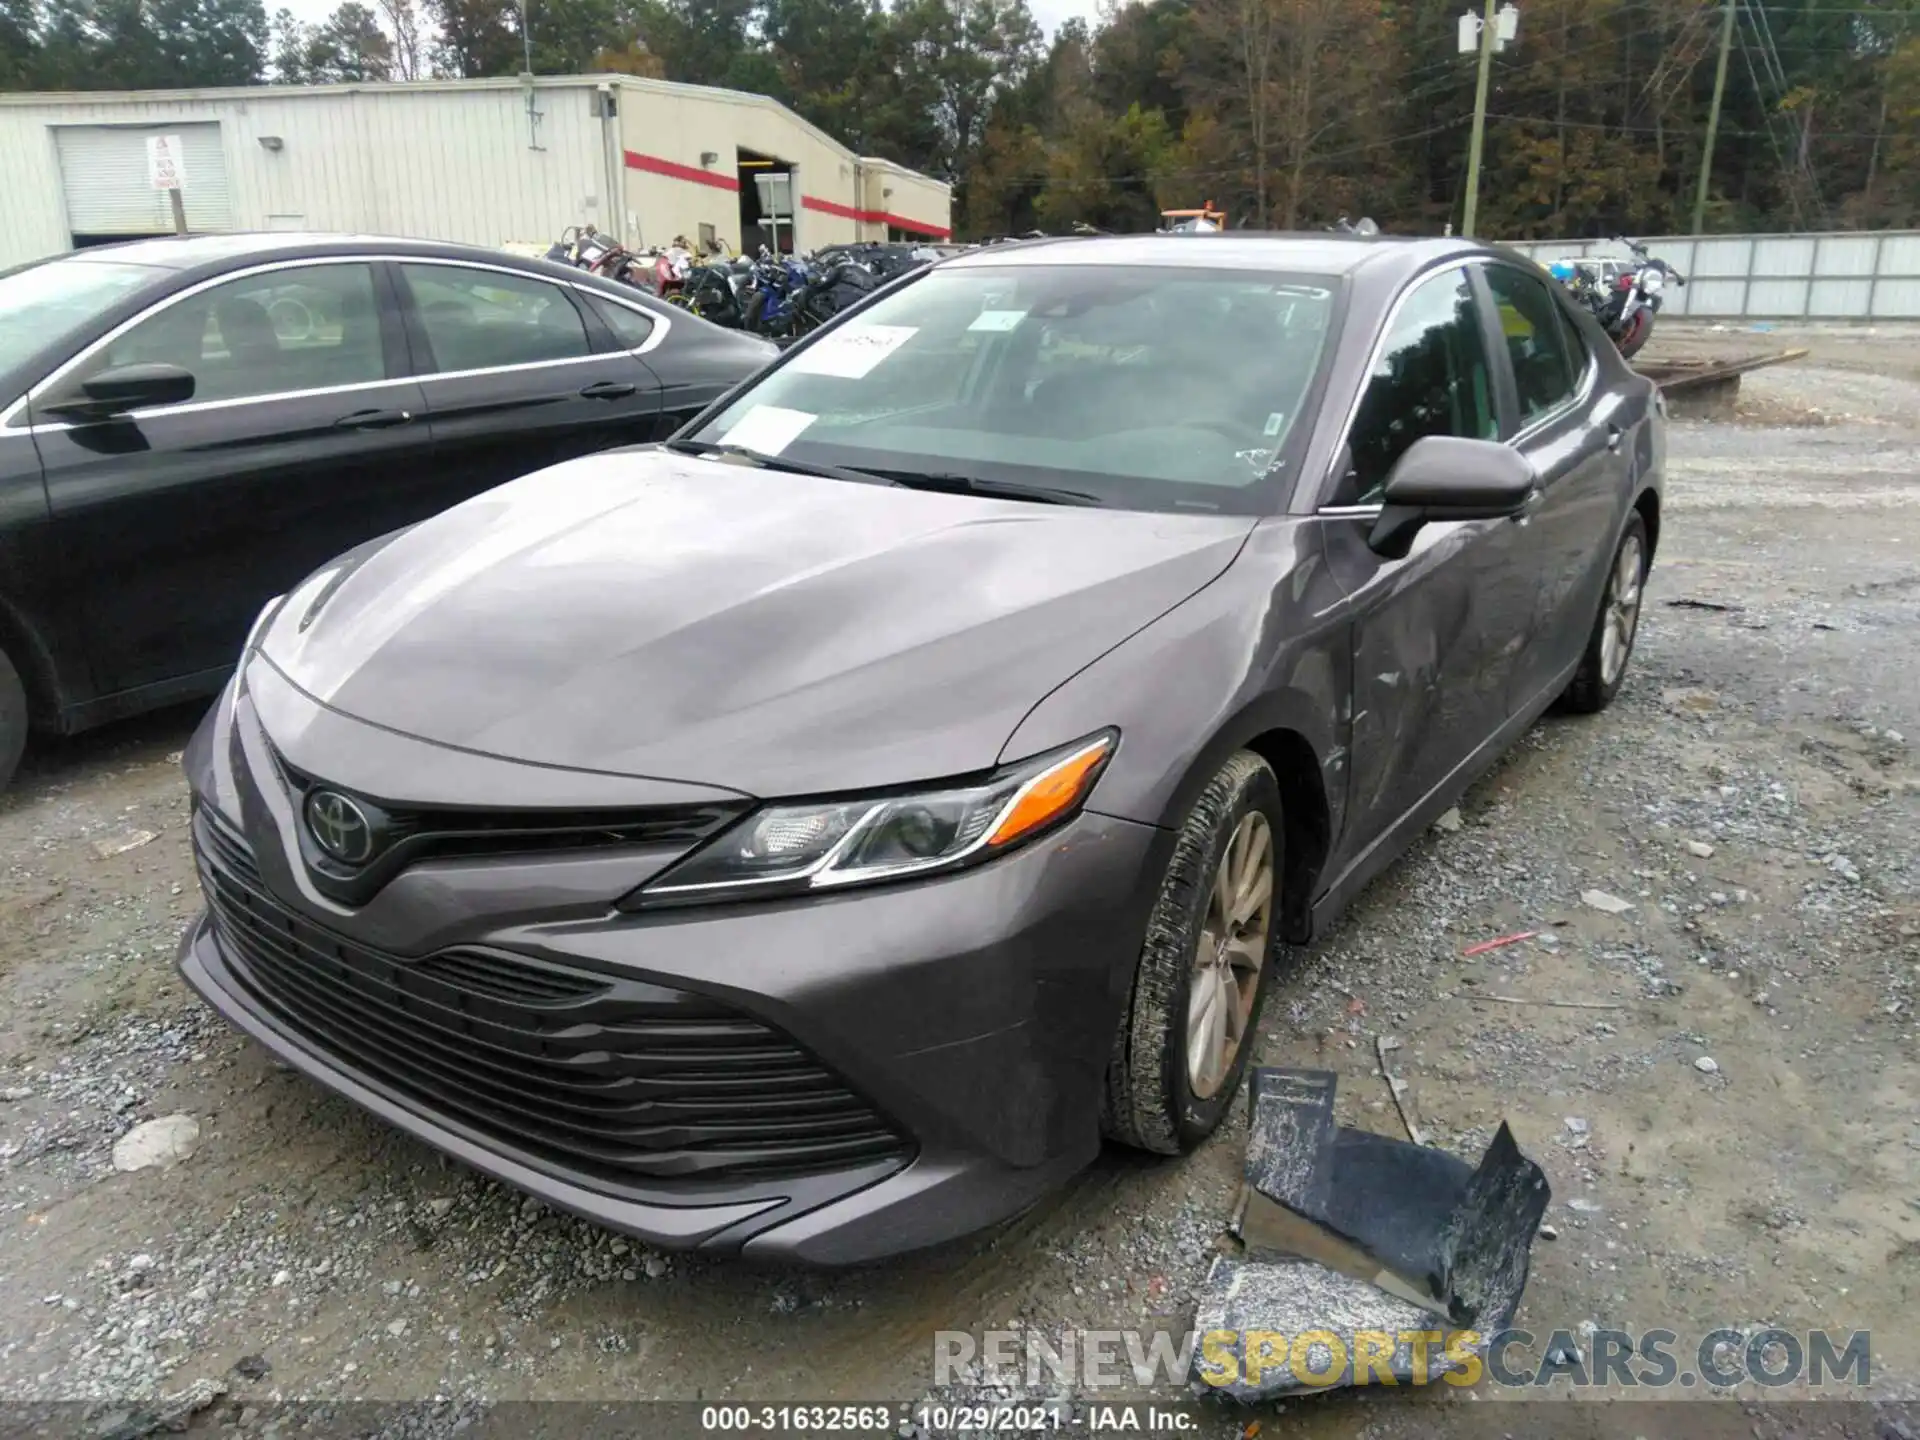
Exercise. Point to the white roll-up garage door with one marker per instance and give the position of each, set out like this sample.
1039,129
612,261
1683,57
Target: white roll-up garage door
103,173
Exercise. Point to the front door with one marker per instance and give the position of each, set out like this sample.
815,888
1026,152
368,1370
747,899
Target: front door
1437,635
302,439
520,373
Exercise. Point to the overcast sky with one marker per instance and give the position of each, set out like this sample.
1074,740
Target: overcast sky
1048,12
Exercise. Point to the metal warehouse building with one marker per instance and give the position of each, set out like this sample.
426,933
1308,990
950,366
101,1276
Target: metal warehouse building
489,162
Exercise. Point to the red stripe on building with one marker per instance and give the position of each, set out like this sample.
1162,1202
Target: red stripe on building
674,170
874,217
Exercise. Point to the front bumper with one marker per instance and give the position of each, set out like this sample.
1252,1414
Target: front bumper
974,1013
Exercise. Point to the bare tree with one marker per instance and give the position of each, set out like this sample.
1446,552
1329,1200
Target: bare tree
407,49
1300,73
1244,37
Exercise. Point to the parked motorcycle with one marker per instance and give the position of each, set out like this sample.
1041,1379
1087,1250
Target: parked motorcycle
775,284
1624,296
671,268
834,282
714,291
585,248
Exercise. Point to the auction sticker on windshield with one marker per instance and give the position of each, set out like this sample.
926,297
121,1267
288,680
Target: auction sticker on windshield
998,320
851,353
768,429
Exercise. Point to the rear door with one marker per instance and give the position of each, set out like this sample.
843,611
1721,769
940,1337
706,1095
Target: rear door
303,438
519,371
1575,436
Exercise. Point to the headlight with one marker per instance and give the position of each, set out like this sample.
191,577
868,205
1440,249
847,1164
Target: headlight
1651,281
237,686
827,845
260,623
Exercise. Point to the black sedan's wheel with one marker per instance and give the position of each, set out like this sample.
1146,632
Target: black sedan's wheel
13,719
1610,646
1184,1043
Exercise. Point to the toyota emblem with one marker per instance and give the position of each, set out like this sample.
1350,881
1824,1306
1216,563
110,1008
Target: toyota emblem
340,827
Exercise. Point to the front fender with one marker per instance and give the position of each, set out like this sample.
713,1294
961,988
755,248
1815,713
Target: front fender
1264,648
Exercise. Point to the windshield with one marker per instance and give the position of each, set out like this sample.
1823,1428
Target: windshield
39,303
1141,388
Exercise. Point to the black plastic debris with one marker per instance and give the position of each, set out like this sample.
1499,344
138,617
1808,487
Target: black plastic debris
1405,1257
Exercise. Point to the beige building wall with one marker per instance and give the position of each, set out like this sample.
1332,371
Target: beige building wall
682,153
458,160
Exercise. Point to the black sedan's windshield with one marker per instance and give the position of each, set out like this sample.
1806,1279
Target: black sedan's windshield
39,303
1137,387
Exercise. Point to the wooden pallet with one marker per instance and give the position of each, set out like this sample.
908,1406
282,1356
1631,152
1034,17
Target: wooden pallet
1679,376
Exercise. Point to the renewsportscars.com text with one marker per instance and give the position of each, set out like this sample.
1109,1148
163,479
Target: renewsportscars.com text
1769,1358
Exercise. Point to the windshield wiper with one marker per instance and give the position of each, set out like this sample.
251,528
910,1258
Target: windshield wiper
779,462
952,484
946,482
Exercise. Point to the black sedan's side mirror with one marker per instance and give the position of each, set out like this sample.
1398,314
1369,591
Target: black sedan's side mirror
124,388
1443,477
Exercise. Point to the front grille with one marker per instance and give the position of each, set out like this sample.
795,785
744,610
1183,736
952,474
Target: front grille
412,834
617,1079
484,973
225,846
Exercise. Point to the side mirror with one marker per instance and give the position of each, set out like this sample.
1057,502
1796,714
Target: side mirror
1442,477
124,388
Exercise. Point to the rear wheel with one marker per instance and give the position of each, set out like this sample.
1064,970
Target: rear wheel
1186,1038
1604,665
13,719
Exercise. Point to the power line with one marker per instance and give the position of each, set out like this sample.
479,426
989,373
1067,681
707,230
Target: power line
1670,129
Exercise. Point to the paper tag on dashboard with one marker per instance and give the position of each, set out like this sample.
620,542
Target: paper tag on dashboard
768,429
851,352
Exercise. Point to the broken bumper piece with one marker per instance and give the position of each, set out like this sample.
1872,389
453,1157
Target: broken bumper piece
1368,1259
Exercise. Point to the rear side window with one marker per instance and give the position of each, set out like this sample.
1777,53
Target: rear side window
1544,373
1430,378
486,319
630,328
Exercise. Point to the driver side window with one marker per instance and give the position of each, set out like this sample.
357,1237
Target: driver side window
272,333
1431,377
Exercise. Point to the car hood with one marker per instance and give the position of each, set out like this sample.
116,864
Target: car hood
646,613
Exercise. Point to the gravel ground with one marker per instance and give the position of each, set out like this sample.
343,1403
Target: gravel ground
1752,794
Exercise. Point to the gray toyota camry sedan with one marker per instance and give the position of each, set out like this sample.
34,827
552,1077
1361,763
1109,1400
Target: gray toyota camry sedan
807,837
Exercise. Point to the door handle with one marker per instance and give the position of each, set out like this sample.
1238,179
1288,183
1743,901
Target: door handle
374,420
609,390
1614,436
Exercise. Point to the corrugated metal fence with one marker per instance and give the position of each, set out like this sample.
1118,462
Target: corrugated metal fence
1853,275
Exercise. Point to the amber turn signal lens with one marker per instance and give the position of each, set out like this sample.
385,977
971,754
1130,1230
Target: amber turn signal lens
1051,793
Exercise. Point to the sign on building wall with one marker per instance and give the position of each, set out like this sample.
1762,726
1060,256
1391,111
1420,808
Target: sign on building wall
166,162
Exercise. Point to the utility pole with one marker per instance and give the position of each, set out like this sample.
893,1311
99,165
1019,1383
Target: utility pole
1713,121
1496,28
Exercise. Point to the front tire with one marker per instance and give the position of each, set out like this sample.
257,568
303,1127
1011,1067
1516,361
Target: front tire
13,719
1604,665
1184,1042
1639,330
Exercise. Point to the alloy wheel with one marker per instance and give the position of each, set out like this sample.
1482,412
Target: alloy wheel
1622,616
1228,958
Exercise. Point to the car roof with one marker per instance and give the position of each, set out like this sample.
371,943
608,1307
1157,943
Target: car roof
1316,254
190,258
189,252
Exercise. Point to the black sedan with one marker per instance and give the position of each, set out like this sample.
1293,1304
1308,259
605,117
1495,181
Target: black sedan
189,426
805,837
